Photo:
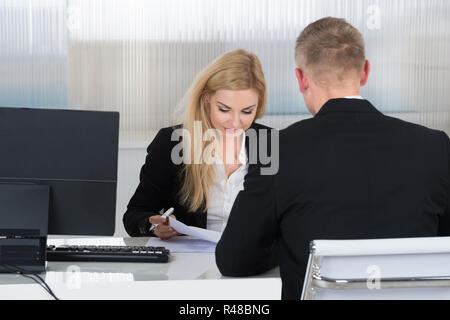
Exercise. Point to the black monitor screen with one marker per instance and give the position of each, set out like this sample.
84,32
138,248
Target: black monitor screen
75,154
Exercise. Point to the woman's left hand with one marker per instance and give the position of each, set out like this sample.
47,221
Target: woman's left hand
164,231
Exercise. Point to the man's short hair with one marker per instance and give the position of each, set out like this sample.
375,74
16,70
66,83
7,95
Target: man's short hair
331,46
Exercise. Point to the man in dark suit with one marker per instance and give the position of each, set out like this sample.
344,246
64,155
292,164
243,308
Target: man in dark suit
349,172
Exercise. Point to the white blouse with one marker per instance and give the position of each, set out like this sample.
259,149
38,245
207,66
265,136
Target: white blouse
224,191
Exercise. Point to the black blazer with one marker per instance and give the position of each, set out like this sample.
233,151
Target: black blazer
160,183
350,172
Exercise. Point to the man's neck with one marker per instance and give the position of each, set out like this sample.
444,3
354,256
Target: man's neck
322,97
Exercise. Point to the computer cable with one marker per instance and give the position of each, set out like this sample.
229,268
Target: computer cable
30,274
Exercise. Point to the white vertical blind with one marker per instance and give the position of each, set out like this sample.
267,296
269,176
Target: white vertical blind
140,56
33,53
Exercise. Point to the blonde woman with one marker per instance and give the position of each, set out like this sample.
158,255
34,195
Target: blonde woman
226,98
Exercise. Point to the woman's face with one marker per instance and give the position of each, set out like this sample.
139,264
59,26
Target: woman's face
233,111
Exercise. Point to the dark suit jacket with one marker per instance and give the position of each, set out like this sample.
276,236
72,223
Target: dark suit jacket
159,186
350,172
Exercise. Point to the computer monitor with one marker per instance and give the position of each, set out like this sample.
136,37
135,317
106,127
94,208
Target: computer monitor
74,153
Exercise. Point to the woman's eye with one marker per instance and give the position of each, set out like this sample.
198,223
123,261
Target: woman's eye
226,110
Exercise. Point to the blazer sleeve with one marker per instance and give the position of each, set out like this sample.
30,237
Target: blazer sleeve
248,245
154,186
444,221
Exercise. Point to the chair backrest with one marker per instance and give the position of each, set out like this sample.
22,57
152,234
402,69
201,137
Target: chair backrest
401,268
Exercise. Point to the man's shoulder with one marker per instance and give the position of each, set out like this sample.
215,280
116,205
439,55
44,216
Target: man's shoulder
298,127
415,131
305,125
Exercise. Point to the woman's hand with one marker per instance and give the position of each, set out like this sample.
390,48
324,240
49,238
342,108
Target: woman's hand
164,231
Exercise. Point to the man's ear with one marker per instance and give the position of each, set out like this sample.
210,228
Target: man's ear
365,73
302,79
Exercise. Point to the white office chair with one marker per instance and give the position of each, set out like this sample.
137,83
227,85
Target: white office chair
403,269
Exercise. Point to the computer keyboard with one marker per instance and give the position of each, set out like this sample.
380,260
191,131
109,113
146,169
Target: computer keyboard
107,253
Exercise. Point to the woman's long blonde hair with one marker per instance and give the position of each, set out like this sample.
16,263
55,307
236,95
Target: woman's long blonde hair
235,70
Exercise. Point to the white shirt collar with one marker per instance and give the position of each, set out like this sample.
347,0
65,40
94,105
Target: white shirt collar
354,97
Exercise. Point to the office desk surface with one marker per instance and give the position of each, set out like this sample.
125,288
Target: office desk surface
185,276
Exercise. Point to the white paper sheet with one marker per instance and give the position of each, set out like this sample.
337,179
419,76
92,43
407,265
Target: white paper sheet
195,232
183,244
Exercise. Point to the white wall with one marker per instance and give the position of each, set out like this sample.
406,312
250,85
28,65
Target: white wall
131,159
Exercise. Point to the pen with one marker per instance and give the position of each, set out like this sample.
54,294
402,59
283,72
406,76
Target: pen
164,215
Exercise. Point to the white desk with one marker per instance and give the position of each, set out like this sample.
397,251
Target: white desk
186,276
